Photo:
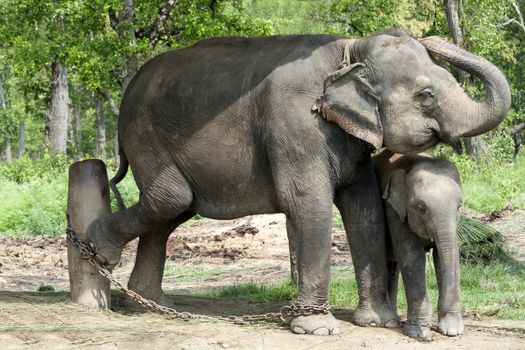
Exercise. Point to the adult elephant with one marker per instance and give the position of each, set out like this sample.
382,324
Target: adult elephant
237,126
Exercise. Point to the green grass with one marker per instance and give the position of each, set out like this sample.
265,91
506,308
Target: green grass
496,291
274,291
492,184
190,273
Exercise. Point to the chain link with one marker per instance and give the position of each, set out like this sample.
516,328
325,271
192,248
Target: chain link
294,310
87,251
418,323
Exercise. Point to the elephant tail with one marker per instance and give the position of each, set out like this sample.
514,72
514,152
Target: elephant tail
121,173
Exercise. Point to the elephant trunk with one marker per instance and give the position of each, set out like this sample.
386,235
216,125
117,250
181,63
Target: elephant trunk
479,116
447,269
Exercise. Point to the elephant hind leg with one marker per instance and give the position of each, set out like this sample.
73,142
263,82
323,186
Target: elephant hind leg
146,278
165,195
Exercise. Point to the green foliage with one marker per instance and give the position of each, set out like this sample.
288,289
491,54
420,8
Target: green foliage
24,169
480,244
34,207
33,195
289,16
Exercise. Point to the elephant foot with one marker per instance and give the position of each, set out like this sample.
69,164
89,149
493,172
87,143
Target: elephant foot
379,316
107,251
317,324
417,330
133,306
451,325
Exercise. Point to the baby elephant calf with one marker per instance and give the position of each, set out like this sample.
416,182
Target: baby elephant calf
422,201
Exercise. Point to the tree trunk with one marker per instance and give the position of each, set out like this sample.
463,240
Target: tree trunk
117,148
101,129
515,132
3,104
127,33
57,118
78,134
474,146
7,154
71,138
22,139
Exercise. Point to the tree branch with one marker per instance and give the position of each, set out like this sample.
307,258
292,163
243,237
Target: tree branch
158,28
107,95
520,16
519,22
451,11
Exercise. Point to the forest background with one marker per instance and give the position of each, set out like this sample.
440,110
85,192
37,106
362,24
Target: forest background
65,63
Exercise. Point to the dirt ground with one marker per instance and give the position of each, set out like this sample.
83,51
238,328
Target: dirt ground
203,255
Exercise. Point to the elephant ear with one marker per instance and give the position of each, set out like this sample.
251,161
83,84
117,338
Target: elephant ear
349,101
395,193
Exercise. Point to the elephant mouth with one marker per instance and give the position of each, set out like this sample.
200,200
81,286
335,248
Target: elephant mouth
456,145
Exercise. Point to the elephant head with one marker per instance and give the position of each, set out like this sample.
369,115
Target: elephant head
428,196
393,93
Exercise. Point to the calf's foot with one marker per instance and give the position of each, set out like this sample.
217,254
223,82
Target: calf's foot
317,324
417,330
451,325
376,316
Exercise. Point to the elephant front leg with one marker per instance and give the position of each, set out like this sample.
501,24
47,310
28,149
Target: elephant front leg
450,321
362,211
409,251
312,246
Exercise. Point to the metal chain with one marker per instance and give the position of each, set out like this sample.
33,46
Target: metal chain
87,251
418,323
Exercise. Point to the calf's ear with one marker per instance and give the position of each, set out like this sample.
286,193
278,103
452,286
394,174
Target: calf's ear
349,101
395,193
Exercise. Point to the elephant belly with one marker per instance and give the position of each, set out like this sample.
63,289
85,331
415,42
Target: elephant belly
226,169
230,188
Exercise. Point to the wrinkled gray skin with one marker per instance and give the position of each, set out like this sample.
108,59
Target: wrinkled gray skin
422,201
225,128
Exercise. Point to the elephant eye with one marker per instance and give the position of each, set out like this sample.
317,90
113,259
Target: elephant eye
426,93
460,205
421,208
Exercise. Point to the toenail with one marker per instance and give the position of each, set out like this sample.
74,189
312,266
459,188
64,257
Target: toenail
321,331
392,324
298,330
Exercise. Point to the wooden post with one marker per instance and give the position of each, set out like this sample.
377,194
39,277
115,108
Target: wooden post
88,199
